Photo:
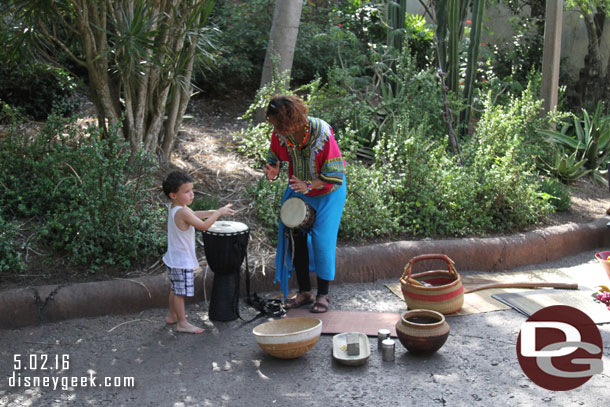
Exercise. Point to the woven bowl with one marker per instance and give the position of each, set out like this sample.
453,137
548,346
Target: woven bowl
288,338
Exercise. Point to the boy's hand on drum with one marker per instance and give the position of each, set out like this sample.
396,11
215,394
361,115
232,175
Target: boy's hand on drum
226,210
297,185
272,171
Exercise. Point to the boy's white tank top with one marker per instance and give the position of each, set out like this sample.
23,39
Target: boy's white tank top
180,244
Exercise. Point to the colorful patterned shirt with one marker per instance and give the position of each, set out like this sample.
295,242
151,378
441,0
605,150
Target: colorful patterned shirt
320,157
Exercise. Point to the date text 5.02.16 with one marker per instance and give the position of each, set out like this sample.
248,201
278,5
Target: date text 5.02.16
41,361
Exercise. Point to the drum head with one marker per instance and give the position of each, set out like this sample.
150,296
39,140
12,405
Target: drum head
228,227
293,212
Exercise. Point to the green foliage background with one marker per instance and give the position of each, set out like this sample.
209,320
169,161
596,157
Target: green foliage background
389,112
90,194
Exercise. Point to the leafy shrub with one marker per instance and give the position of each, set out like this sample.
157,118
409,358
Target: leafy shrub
204,203
10,253
502,155
38,89
267,198
322,45
365,19
497,183
420,40
411,162
516,58
8,113
368,207
89,191
242,43
330,34
558,194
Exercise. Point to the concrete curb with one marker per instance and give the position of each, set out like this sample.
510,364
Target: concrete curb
32,305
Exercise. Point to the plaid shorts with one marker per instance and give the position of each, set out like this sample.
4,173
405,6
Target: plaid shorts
182,282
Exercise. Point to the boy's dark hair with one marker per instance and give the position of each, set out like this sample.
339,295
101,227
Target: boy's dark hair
174,181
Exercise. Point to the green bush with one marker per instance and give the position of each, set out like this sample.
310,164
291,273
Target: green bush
37,89
321,45
497,188
420,40
367,212
330,34
413,164
242,43
10,254
502,154
557,192
90,193
8,113
267,197
368,207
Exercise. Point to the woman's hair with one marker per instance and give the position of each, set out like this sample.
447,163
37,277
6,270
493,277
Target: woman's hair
289,112
174,181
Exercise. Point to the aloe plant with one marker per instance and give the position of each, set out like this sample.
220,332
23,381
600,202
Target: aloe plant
588,138
566,167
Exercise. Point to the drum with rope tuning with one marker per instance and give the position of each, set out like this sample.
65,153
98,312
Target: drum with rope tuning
295,213
225,245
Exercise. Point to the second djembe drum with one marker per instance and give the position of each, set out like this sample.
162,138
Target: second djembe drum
295,213
225,246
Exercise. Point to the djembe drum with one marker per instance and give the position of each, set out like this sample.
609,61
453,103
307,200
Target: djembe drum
295,213
225,246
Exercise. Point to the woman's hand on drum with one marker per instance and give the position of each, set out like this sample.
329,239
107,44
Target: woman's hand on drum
272,171
298,186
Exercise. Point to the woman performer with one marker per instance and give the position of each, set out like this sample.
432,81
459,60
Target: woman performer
316,173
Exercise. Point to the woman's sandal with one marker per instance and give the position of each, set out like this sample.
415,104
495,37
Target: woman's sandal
295,302
320,307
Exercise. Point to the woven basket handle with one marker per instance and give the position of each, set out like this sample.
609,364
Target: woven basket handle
450,264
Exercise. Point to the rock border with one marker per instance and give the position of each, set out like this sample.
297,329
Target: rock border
35,305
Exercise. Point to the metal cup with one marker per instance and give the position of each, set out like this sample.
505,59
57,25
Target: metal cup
382,335
387,350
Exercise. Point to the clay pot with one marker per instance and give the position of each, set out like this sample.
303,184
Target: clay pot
422,331
603,259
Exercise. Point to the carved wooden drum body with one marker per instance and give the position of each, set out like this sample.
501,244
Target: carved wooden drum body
225,246
297,214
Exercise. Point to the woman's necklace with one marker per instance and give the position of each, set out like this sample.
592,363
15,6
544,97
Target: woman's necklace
302,143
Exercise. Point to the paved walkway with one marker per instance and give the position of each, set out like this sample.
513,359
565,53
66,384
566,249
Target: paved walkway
224,366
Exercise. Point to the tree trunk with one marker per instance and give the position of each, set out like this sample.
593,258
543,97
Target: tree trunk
591,81
139,56
283,38
551,54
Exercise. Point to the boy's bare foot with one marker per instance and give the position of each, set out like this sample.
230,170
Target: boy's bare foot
188,328
171,319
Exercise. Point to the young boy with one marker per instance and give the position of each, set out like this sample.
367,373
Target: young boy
181,258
